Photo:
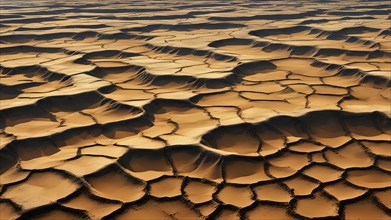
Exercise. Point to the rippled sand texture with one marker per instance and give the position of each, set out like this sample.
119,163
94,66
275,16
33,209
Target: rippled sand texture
195,110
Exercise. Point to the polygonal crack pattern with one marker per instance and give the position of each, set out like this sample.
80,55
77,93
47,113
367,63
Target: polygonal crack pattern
195,110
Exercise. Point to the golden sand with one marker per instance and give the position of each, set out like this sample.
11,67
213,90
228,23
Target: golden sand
195,110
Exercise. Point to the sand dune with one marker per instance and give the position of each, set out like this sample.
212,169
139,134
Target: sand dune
195,110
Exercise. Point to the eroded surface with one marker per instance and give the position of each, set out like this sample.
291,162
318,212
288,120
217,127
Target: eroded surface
195,109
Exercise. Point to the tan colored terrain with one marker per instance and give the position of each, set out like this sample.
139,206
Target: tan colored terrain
195,110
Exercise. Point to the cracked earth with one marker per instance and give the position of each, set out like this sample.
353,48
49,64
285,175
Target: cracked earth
195,110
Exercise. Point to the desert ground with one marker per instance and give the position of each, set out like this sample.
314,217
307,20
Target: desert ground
195,109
